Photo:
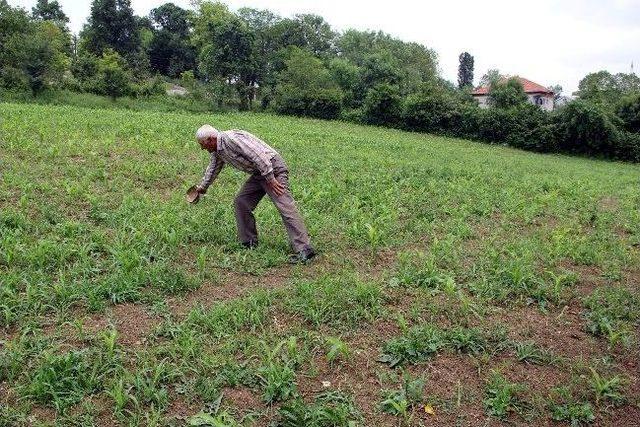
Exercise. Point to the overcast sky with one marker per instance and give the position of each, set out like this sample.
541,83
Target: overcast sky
547,41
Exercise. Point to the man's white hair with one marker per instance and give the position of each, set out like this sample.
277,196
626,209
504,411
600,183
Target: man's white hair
206,131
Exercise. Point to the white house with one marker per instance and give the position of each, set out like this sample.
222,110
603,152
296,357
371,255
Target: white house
537,94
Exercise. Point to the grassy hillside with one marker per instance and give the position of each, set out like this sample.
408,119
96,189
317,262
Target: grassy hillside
459,283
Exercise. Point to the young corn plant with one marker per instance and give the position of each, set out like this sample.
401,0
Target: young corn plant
529,352
502,397
610,389
564,407
374,238
401,402
338,350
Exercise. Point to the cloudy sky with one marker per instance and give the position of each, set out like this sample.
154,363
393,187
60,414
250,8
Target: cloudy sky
547,41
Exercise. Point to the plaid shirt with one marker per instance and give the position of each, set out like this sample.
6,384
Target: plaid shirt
243,151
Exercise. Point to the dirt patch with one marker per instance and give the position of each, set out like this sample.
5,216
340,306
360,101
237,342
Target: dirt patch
243,400
235,285
562,331
180,409
609,204
132,322
357,377
42,414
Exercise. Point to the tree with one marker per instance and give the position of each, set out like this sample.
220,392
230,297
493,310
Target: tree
382,105
170,50
506,94
557,93
383,59
348,76
111,25
306,88
606,89
228,56
306,31
587,128
491,77
267,58
112,79
465,70
32,54
628,110
50,11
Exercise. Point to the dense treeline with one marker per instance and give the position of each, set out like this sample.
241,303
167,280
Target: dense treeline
254,59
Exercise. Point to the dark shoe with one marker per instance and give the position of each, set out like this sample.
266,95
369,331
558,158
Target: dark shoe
302,257
250,245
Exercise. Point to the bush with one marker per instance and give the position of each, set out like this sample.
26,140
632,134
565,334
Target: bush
585,128
507,94
154,86
305,88
14,79
323,104
84,68
431,113
530,129
382,105
628,147
112,79
628,110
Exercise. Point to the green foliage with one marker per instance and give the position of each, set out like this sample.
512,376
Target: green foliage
612,312
337,350
170,51
400,402
329,409
382,106
502,397
628,110
222,419
610,389
33,54
336,300
507,94
65,379
111,77
432,112
490,78
585,128
564,407
50,11
305,88
423,342
605,89
111,26
529,352
465,70
278,382
515,280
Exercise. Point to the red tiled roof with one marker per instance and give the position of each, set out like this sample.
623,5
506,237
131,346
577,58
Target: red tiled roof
528,85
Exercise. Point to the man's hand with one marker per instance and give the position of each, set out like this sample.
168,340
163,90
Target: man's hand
201,189
277,188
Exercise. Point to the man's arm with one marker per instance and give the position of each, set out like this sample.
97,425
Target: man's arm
211,173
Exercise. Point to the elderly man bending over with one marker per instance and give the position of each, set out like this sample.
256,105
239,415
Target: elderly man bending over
269,175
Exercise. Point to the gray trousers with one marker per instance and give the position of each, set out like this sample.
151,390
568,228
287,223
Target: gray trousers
250,195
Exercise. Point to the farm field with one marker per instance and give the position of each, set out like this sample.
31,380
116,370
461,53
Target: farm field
459,284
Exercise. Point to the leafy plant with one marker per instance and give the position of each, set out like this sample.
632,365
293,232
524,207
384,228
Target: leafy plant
502,397
400,402
607,388
278,382
338,350
329,409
